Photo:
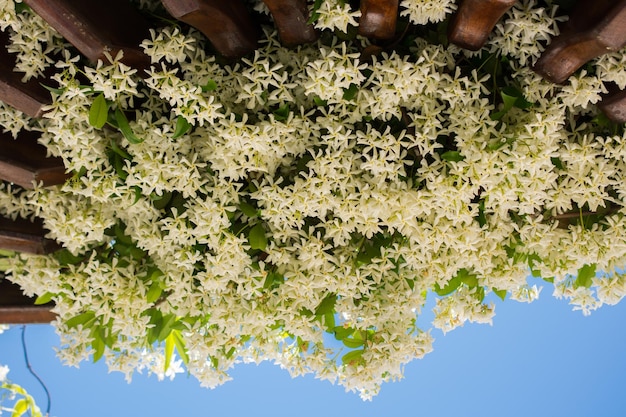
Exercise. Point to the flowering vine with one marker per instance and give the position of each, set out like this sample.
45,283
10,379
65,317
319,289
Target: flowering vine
255,210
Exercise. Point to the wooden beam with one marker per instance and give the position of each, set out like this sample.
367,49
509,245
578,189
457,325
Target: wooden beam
290,17
614,106
97,26
24,161
28,97
21,235
227,24
474,20
378,18
16,308
596,30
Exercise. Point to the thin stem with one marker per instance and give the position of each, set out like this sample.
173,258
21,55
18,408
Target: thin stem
30,368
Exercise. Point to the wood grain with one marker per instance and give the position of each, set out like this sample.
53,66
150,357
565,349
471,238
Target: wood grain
227,24
378,18
21,235
474,20
290,17
23,161
96,26
594,31
27,97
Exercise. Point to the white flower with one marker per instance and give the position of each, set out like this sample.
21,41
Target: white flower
4,370
334,14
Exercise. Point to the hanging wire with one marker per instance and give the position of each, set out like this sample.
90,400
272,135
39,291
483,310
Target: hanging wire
30,368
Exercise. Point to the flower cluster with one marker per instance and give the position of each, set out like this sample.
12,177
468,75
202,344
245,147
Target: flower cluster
248,211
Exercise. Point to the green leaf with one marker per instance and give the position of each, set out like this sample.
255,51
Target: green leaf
327,305
350,92
209,86
319,102
354,357
520,102
20,407
121,152
154,292
499,293
329,321
511,97
124,127
160,201
585,276
257,238
169,351
342,332
121,236
5,264
248,209
57,91
166,326
557,163
118,164
98,345
80,319
98,112
180,346
469,279
282,113
182,127
450,287
314,14
44,298
65,257
452,156
482,218
353,343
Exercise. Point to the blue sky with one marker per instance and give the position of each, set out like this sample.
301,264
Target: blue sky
540,359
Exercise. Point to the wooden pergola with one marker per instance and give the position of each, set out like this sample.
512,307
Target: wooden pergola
96,26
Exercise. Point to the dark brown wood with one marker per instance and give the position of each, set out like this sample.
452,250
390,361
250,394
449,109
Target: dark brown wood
614,106
21,235
474,20
595,31
96,26
28,97
378,18
23,161
16,308
290,17
227,24
26,315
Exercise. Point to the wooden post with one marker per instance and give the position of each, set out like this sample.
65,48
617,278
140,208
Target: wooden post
16,308
24,161
290,17
596,30
474,20
227,24
614,106
97,26
378,18
28,97
21,235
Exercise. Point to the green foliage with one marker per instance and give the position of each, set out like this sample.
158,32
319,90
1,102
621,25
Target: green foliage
511,97
585,276
257,238
25,403
99,111
124,127
182,127
319,186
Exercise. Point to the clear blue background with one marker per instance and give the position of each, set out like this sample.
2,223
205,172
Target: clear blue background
540,359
